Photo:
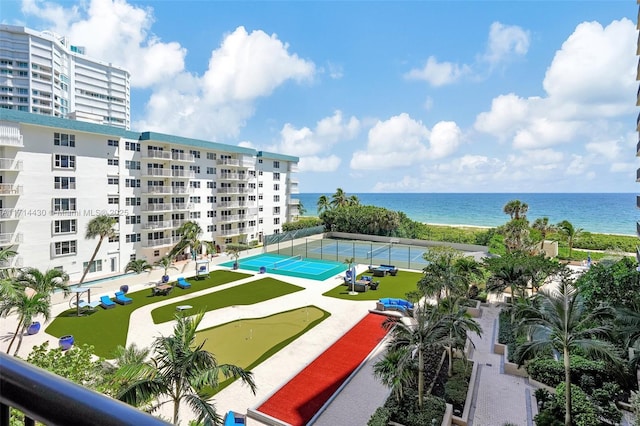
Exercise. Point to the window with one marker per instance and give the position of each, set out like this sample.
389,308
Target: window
211,199
211,156
210,228
211,213
156,253
64,182
61,161
276,210
132,256
194,199
260,173
211,170
132,165
132,201
276,176
276,198
132,183
260,221
96,266
276,164
63,248
194,184
196,154
64,204
113,200
260,209
132,220
63,139
194,215
65,226
276,221
133,238
112,142
252,223
132,146
112,181
276,187
112,161
260,197
252,197
114,238
195,169
260,185
259,160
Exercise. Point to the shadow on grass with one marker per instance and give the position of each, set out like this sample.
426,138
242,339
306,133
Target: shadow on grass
107,329
390,286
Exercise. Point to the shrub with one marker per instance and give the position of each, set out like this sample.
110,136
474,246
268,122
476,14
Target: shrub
506,332
482,296
301,223
380,417
588,373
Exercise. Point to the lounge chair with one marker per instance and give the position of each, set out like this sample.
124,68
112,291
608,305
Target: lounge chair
122,299
183,284
107,303
373,285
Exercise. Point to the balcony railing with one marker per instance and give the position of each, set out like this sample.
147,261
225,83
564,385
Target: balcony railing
157,207
161,242
11,137
181,190
229,218
187,174
10,189
168,155
10,164
52,400
158,224
176,156
293,201
157,190
156,172
12,262
11,238
227,232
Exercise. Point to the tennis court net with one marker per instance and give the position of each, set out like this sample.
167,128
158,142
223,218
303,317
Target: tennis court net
378,250
285,262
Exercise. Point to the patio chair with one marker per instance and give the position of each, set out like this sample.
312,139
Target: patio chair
182,283
373,285
107,303
121,299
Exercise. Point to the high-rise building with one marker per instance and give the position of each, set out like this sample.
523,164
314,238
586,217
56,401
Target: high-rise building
42,73
57,174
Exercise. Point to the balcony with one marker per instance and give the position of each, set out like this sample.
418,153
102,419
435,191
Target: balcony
183,174
176,223
182,157
181,190
230,232
10,164
156,172
50,399
157,207
154,154
10,238
11,214
169,241
10,189
157,190
10,136
234,190
12,262
228,218
165,224
293,167
293,202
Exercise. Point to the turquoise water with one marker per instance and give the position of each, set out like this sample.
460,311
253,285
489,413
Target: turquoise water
313,269
102,280
602,213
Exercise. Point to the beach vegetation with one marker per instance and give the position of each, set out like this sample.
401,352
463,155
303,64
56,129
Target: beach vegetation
191,237
180,371
570,233
138,266
102,227
302,223
166,263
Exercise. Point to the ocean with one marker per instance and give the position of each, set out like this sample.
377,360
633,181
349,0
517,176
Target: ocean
599,213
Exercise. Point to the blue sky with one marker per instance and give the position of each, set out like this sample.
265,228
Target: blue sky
382,96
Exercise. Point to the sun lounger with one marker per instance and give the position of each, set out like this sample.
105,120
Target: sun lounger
183,284
122,299
107,303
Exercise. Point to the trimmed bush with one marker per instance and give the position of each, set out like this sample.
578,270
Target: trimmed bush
588,373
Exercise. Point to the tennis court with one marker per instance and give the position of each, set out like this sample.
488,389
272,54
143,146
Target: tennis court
293,266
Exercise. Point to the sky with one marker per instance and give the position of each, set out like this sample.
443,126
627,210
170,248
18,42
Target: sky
382,96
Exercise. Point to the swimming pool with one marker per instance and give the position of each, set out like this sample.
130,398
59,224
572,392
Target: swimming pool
313,269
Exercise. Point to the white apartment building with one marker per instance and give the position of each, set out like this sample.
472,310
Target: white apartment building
57,174
42,73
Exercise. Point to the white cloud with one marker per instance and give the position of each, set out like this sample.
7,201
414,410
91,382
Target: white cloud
445,139
607,150
507,115
319,164
505,41
620,167
438,73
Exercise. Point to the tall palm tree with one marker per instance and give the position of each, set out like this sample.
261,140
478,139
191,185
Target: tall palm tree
101,227
393,374
26,305
507,271
353,200
179,372
570,232
44,282
542,224
429,332
339,198
516,209
138,266
323,204
560,320
447,273
191,233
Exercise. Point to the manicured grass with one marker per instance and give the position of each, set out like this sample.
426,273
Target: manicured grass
245,294
248,342
390,286
107,329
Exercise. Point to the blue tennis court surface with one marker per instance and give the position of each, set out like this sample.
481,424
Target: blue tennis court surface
297,266
373,253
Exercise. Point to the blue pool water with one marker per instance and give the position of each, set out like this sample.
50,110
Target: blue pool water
313,269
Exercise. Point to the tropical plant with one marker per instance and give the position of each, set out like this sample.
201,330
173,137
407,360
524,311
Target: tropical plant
570,232
448,272
349,261
411,341
234,250
102,227
516,209
507,271
44,282
138,266
561,321
339,198
543,226
191,233
165,263
181,371
6,253
323,204
26,306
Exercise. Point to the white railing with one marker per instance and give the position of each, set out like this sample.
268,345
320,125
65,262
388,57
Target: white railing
229,176
228,162
229,231
293,201
10,189
229,218
181,190
183,173
10,238
157,207
176,156
154,153
11,136
160,242
157,190
156,172
12,262
10,164
157,224
178,223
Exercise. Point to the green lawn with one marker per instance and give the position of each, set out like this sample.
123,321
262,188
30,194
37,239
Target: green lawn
106,329
248,342
390,286
245,294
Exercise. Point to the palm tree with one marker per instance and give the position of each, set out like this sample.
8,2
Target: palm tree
447,272
542,224
44,282
429,332
516,209
233,250
101,227
339,198
507,271
26,305
180,371
191,232
353,200
349,261
165,263
387,371
138,266
571,233
561,321
323,204
460,324
6,253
